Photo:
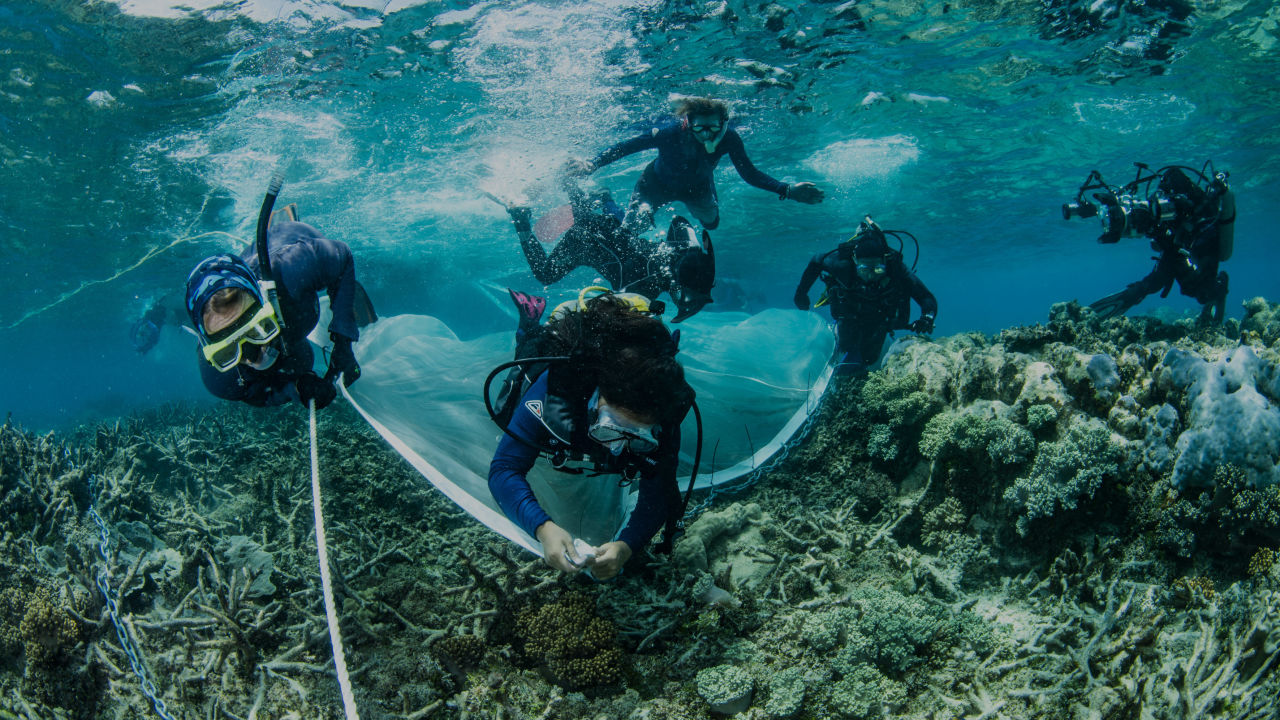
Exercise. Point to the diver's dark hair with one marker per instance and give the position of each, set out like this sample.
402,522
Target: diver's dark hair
630,354
702,106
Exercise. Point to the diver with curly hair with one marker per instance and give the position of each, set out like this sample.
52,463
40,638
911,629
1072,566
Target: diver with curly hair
689,147
607,407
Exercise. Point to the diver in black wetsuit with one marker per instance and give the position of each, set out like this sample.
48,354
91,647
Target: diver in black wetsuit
1191,225
682,264
870,290
689,148
145,331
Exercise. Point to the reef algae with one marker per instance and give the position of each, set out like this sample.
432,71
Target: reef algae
1001,526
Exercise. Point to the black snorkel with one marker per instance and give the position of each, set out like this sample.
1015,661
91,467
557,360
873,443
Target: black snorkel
266,278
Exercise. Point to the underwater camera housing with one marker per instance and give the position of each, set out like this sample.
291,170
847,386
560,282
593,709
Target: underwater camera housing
1138,208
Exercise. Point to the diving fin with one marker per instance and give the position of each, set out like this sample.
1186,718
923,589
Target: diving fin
1114,304
528,307
363,306
288,212
555,223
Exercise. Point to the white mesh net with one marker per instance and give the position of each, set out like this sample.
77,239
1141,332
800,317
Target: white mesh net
757,378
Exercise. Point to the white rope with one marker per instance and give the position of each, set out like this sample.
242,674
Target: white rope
322,550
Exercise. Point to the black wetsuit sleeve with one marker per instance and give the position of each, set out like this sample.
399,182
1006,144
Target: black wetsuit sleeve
338,270
308,263
746,169
546,268
810,275
647,141
925,299
659,492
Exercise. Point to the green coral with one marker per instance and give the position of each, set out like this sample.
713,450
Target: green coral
897,398
864,693
942,523
1065,472
889,629
964,436
881,444
724,685
823,630
579,648
786,693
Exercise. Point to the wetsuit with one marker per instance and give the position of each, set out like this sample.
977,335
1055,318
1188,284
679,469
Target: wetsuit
563,427
684,171
597,240
305,263
865,313
1195,271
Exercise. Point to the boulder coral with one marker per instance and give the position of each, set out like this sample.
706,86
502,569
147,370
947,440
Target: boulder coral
578,648
1232,415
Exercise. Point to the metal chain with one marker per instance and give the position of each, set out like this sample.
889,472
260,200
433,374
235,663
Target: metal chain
113,608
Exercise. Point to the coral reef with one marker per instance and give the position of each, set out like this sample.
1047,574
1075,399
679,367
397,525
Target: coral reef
1072,520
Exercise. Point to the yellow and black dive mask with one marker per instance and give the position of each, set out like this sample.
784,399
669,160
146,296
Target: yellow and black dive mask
258,325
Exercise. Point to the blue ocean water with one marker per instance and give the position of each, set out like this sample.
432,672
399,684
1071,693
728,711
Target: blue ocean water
137,138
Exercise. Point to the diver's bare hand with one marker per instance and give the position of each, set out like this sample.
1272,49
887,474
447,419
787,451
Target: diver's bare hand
805,192
610,557
557,548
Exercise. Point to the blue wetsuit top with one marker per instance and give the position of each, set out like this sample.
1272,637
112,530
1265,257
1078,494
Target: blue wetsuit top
513,460
683,164
305,263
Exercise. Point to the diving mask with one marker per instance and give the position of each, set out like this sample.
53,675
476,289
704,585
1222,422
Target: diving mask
708,130
257,325
617,433
870,268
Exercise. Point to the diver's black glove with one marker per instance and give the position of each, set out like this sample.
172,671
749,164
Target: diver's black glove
924,325
342,361
313,387
801,300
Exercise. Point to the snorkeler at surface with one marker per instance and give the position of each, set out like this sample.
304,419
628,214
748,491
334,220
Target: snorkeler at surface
870,289
689,148
610,410
250,354
1191,224
682,264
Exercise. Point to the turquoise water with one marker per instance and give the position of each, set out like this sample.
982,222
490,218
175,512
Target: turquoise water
136,139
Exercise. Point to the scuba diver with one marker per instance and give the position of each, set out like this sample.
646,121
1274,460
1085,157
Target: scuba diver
682,264
1191,224
145,331
605,396
689,147
252,316
870,289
